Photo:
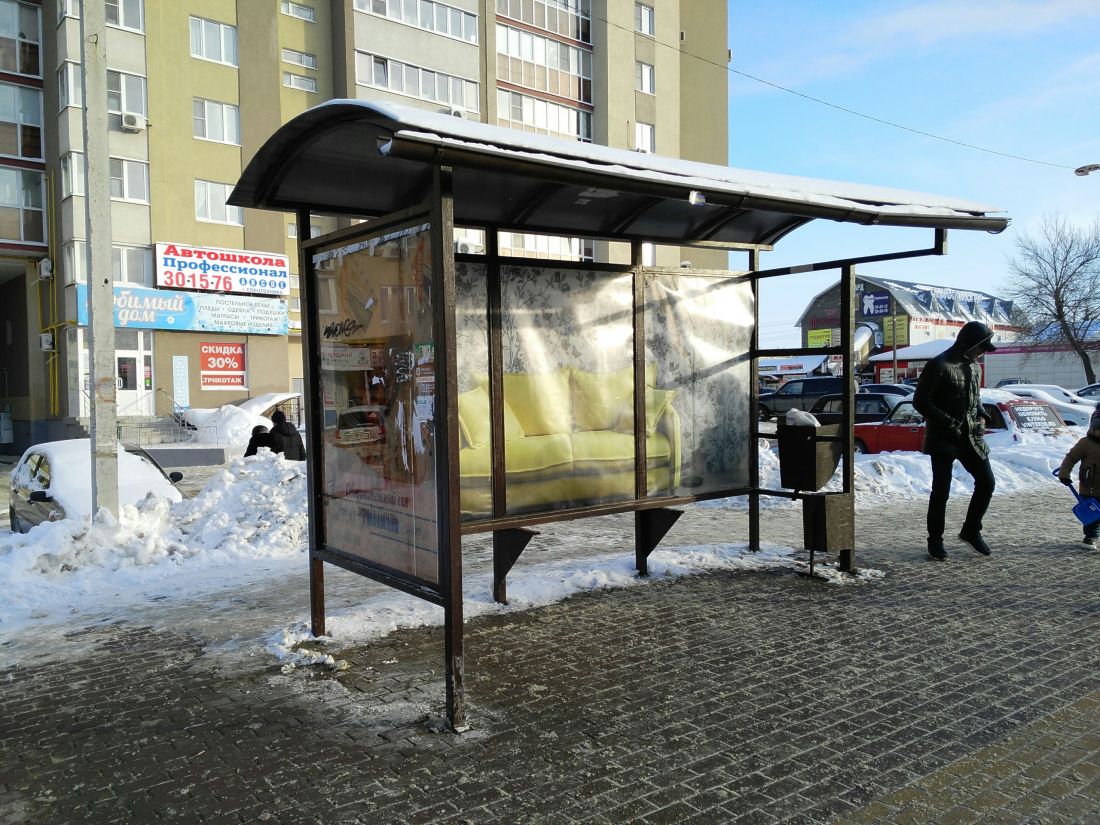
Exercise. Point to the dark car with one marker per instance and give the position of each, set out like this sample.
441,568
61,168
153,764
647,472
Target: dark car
870,406
799,394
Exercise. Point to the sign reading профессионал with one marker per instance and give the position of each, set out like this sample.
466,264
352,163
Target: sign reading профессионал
180,266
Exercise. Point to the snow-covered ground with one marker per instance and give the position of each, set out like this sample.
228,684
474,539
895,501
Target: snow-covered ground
247,528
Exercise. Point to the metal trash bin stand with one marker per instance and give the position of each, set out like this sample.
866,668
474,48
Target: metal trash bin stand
808,456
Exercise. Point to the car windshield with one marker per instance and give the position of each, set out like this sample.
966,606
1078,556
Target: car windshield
141,455
359,418
906,413
1034,416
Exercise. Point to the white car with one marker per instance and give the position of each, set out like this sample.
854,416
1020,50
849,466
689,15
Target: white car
1073,414
1061,393
53,481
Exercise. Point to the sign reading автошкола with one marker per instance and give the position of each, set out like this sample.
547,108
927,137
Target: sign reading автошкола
180,266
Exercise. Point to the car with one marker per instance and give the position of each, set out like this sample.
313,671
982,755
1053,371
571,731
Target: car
1074,414
869,406
53,481
360,425
1061,393
896,389
1092,391
798,394
1007,417
1004,382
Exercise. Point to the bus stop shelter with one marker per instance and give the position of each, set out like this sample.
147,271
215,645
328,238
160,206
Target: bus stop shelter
451,393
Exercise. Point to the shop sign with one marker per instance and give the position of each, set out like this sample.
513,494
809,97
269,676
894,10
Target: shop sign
208,269
221,366
819,338
875,304
181,389
895,329
140,308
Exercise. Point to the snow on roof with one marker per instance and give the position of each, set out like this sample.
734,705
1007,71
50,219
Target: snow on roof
945,303
917,352
511,179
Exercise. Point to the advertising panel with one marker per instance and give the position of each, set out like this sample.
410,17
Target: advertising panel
208,269
139,308
221,366
819,338
895,328
874,304
378,477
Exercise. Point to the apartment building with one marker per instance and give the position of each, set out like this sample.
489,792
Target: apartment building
206,294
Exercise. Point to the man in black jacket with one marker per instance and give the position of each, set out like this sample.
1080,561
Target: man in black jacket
948,396
288,440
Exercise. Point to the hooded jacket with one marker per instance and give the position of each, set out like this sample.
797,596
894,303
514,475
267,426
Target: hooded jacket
1087,451
287,439
948,396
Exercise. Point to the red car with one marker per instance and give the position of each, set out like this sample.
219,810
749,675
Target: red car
903,428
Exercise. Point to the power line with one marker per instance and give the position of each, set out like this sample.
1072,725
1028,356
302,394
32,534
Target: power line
844,109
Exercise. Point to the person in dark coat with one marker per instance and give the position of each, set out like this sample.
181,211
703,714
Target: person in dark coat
260,438
948,396
289,440
1087,452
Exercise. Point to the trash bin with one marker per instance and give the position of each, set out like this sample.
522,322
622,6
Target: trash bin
806,460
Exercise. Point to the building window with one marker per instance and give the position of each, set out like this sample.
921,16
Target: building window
125,93
306,61
214,41
20,121
72,260
643,78
21,213
295,304
72,174
132,264
292,232
649,254
297,81
541,63
125,14
425,14
643,19
327,301
129,180
220,122
406,79
67,8
515,244
20,36
210,204
69,89
530,114
568,18
299,10
644,139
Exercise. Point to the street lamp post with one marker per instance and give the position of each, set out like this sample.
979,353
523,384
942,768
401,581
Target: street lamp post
1086,169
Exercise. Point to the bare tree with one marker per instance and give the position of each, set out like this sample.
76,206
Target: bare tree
1055,283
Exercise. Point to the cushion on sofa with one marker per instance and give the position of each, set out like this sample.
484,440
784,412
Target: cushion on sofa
540,400
656,402
608,451
474,422
531,454
600,398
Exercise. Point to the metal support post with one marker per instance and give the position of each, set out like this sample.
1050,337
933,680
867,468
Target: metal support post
650,526
507,547
754,404
846,561
101,304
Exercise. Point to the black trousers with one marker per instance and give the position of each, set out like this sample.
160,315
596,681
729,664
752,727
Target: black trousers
984,483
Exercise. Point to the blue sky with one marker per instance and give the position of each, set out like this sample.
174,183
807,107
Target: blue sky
1017,77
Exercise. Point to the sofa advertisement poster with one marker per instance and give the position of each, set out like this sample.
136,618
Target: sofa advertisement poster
140,308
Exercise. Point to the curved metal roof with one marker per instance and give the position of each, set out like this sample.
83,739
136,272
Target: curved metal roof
368,159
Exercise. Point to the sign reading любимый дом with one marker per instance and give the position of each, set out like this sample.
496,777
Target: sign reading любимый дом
140,308
180,266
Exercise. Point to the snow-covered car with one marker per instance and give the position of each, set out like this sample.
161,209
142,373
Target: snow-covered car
1074,414
53,481
1007,417
1060,393
895,389
1090,392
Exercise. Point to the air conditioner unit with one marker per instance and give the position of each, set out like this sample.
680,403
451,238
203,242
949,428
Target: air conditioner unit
45,341
457,113
133,122
45,269
464,248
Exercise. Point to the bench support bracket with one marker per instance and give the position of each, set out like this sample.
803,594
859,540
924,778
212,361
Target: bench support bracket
650,526
507,547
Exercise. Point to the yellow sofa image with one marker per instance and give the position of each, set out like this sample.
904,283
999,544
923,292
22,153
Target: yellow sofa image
568,440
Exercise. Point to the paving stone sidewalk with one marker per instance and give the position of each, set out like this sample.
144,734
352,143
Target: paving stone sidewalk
959,692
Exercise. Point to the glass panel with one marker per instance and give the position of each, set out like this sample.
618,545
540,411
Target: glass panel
378,398
215,125
472,354
9,224
569,389
9,139
127,373
33,225
211,40
697,333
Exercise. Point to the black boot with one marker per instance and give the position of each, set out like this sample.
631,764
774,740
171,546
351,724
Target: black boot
975,540
936,551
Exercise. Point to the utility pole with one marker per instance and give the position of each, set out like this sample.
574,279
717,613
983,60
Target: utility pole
894,334
101,293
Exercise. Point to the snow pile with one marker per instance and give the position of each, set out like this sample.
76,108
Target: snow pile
254,509
228,424
539,585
